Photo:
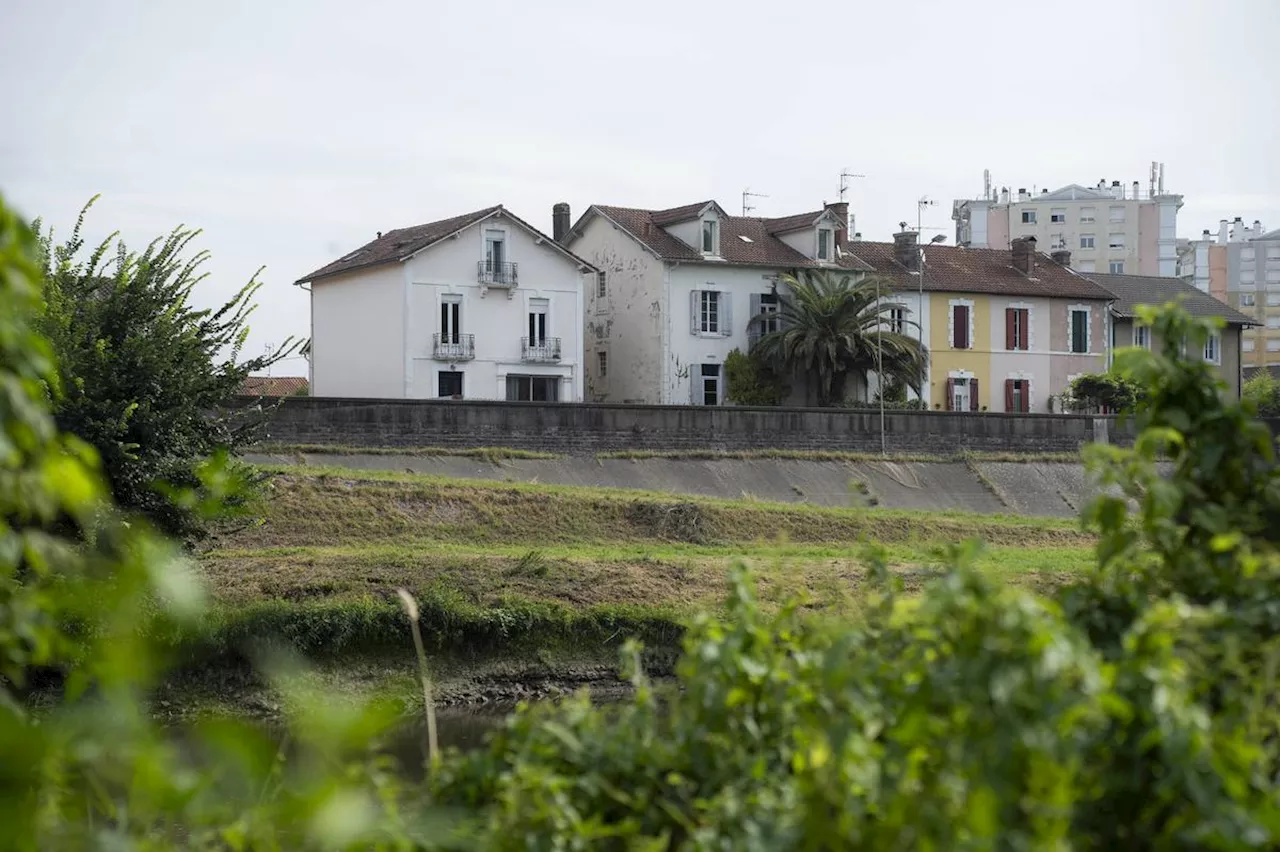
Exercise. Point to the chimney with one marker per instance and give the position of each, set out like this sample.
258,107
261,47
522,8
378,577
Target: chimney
857,237
1222,232
1004,195
379,235
1022,193
1257,227
559,221
1061,256
1237,230
1023,250
841,209
1117,191
1136,190
905,250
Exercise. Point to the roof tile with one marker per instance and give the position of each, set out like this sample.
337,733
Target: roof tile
1133,290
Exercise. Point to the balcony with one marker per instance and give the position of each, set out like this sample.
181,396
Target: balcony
493,274
544,351
453,347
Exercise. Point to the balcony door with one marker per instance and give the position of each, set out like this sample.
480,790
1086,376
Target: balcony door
538,322
495,251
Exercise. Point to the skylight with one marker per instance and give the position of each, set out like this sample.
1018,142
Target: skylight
745,238
351,256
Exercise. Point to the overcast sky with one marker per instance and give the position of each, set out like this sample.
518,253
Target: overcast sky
292,131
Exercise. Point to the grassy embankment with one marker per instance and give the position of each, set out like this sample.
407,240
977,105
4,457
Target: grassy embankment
544,575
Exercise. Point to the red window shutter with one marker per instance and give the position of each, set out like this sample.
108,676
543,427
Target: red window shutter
973,394
951,394
1008,394
1024,326
1010,328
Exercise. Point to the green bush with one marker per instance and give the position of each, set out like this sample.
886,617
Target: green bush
1263,391
143,375
750,381
1094,392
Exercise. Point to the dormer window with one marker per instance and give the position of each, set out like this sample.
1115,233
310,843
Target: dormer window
710,236
824,244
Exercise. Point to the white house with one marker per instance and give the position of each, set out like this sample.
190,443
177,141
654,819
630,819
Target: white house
677,288
479,306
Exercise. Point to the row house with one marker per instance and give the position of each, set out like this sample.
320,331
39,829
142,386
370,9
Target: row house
478,306
677,288
1006,329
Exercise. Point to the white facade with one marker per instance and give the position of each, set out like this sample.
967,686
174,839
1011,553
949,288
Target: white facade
427,326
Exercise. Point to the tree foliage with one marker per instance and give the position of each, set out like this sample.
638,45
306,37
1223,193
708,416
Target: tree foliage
834,327
751,381
143,375
1094,392
1263,391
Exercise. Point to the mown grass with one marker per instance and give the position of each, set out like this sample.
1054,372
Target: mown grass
487,453
836,455
329,506
502,568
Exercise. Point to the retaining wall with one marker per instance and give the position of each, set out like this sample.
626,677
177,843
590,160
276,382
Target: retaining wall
588,428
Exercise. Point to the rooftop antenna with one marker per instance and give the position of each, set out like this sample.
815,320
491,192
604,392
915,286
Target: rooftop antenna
747,195
845,174
1152,177
986,184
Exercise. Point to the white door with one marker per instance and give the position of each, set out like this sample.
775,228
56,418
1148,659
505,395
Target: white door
960,400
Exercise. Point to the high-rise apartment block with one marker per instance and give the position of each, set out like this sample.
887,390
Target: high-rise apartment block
1240,265
1112,228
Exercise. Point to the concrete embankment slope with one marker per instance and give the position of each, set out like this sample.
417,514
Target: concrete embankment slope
1055,489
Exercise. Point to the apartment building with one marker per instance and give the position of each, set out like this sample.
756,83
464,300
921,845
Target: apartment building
1240,266
1114,228
477,306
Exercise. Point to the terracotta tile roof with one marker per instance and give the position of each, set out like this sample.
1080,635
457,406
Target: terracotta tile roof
797,222
761,248
401,243
973,270
1133,290
273,386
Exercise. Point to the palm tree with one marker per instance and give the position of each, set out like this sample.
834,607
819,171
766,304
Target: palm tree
832,327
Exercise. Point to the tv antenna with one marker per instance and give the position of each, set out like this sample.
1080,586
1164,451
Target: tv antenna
845,174
747,195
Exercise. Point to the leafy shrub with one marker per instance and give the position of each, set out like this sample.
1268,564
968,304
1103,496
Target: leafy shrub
1094,392
1263,391
144,376
750,381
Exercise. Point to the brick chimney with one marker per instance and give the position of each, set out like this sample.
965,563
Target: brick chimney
1061,256
905,250
559,221
1023,250
841,210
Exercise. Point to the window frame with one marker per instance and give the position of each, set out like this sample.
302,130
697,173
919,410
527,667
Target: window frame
602,363
1092,238
709,312
1115,267
1028,217
1252,297
711,237
602,285
1142,336
1071,329
1111,214
1088,215
967,304
825,244
440,376
1213,348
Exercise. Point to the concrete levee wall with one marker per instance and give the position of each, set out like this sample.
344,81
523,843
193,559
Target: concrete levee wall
585,429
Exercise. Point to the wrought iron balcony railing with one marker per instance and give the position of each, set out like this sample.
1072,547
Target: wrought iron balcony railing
497,274
453,347
540,350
